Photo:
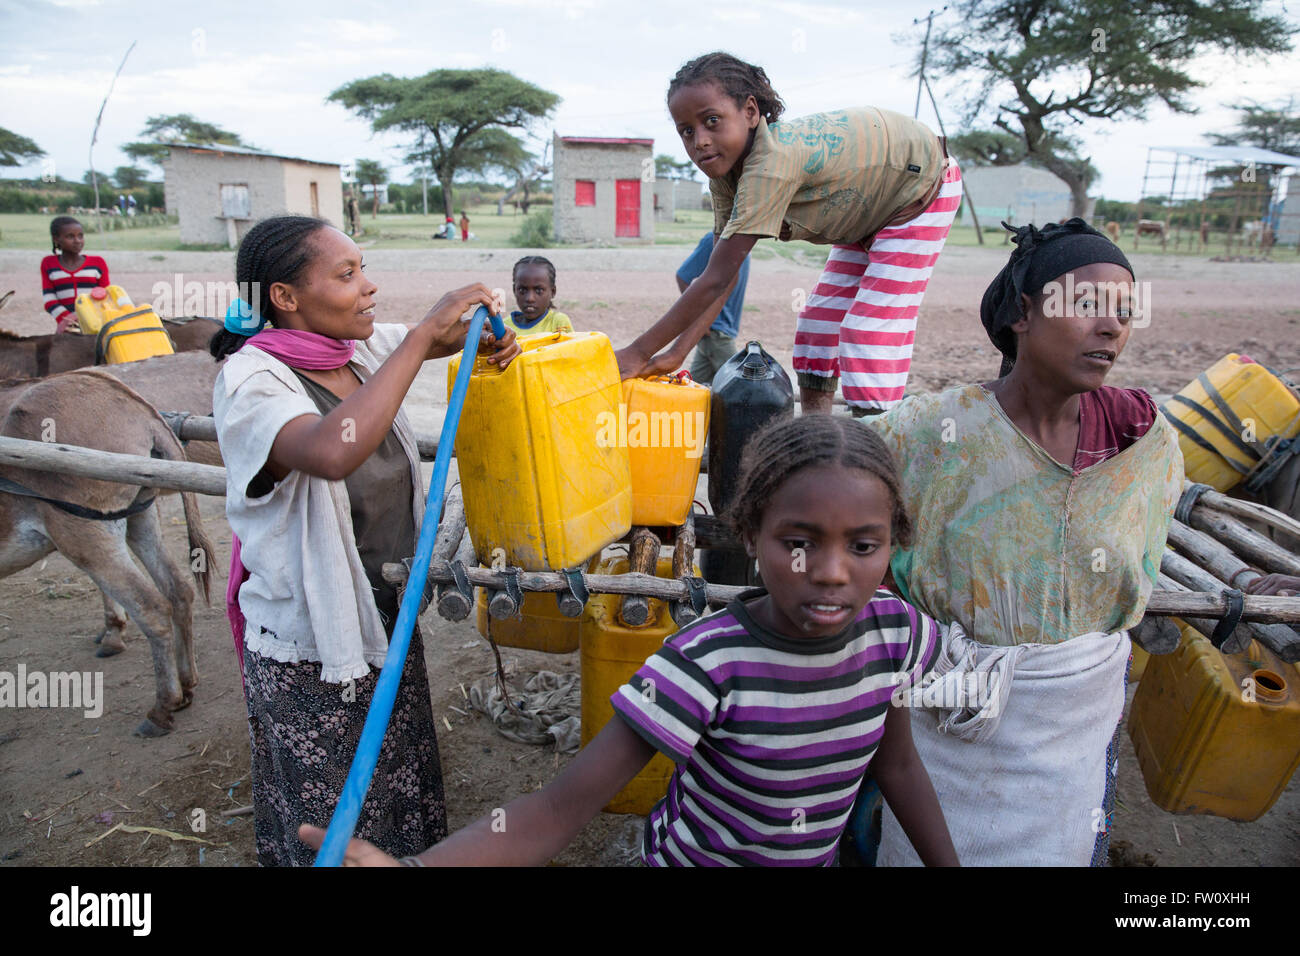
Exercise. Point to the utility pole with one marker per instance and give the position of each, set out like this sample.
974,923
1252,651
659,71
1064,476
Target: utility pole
94,178
925,50
923,83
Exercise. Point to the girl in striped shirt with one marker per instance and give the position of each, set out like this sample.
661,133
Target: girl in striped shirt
876,186
67,273
772,709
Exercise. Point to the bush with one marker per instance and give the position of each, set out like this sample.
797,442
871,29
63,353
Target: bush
20,200
535,232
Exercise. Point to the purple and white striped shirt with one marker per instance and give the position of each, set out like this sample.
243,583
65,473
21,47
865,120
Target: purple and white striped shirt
771,736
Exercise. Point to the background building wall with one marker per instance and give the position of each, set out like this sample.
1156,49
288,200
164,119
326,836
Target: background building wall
602,164
1024,193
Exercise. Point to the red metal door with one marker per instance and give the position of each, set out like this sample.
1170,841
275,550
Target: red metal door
627,211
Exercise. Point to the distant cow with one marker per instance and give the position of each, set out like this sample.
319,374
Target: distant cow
1112,230
1151,227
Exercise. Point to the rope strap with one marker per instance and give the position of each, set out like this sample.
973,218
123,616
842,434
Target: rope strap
1191,495
1223,630
513,589
577,585
77,511
698,594
461,580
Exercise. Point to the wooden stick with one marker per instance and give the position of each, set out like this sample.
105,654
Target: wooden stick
661,588
643,558
684,564
452,605
451,528
1250,511
1209,554
111,466
1245,541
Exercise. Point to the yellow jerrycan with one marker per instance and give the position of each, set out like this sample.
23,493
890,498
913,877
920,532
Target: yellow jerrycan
611,653
124,332
1216,733
664,422
1224,417
537,482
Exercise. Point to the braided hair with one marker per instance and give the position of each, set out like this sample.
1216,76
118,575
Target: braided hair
738,79
790,445
57,225
274,250
533,261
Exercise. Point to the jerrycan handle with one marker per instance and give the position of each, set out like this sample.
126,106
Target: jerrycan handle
754,365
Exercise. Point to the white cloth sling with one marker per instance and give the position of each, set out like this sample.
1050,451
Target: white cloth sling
1020,772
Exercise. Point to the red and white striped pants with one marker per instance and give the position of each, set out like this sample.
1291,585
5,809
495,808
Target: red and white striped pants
860,321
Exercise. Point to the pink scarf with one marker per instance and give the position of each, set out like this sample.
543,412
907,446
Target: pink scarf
304,350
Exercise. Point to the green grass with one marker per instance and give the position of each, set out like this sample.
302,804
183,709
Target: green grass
413,231
32,231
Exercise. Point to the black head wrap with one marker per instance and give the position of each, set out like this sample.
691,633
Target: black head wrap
1040,256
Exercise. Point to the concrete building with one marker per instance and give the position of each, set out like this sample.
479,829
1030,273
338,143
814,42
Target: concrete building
674,194
604,190
1019,194
219,192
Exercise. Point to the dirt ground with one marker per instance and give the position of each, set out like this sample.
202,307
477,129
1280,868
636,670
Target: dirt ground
67,780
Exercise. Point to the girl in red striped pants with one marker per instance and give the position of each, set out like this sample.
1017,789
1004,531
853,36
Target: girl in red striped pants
877,186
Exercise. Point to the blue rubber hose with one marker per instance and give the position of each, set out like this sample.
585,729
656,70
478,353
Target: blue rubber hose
348,810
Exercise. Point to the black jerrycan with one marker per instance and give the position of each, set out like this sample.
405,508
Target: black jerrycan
749,390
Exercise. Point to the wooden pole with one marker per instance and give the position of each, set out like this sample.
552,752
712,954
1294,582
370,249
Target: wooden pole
1211,555
111,466
683,565
642,558
1250,511
1245,541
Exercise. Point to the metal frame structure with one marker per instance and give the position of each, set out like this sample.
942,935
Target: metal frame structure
1187,170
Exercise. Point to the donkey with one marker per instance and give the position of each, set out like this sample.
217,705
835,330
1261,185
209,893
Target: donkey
97,525
35,356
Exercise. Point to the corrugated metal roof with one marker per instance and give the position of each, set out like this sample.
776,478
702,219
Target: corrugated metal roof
245,151
607,140
1234,154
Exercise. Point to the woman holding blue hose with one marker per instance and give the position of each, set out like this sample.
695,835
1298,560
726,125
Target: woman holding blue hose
323,487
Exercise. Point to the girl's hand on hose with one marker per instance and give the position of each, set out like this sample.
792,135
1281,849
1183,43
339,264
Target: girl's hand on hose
358,853
501,352
444,319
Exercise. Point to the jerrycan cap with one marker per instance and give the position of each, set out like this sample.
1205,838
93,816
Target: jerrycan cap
99,293
754,366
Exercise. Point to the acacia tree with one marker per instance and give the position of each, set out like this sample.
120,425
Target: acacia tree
176,128
995,147
668,168
129,177
1044,65
1268,127
17,150
449,113
372,171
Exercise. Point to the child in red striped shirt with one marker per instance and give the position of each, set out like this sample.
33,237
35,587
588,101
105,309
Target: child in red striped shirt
875,185
67,273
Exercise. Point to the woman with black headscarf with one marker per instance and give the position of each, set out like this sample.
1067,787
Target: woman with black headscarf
1042,502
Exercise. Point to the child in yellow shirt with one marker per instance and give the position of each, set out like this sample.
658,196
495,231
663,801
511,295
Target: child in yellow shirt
534,282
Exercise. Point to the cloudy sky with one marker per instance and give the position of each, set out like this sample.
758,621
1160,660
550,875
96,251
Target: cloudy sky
263,69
